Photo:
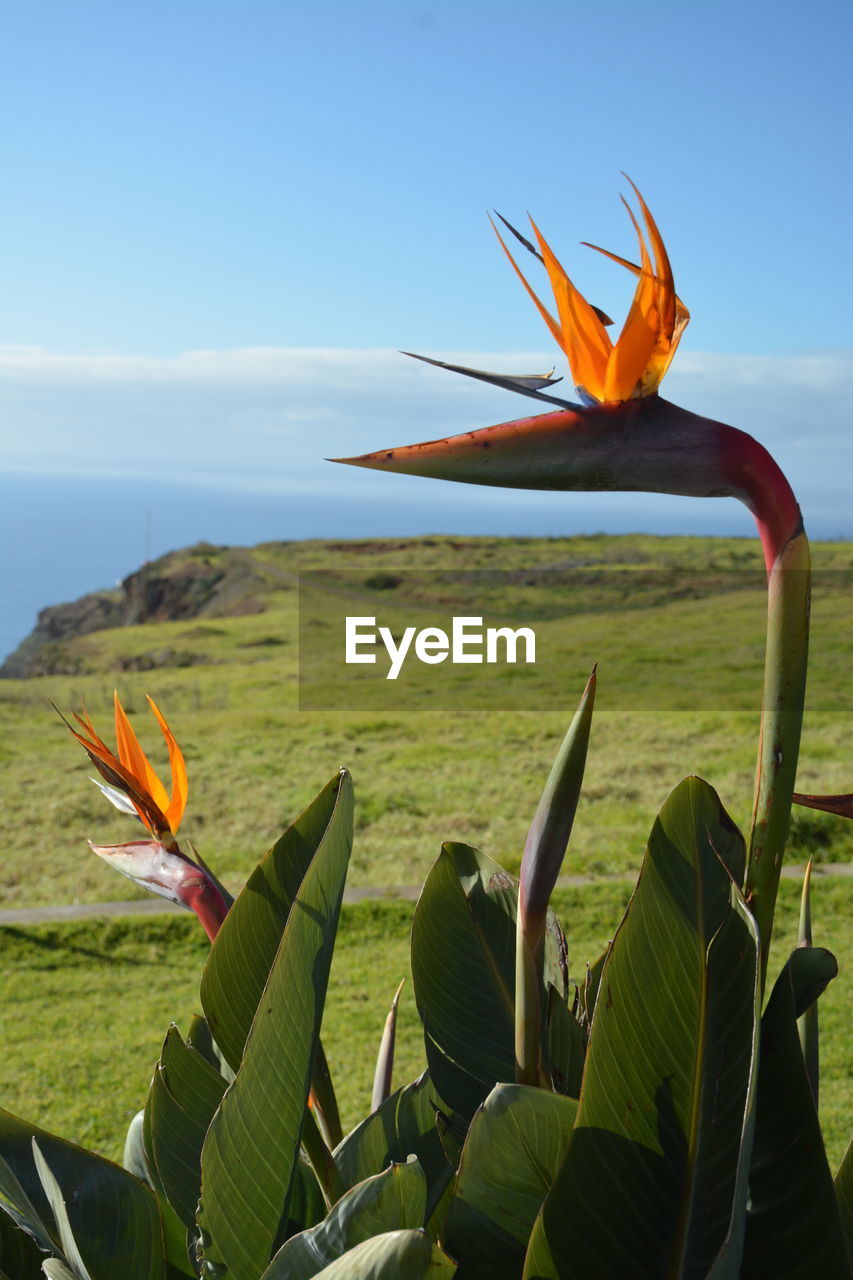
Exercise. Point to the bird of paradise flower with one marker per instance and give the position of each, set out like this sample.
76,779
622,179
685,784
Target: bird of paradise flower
624,436
132,786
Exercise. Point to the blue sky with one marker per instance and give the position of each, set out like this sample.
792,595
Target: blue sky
222,220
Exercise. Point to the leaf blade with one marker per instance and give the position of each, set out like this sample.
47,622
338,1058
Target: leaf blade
252,1147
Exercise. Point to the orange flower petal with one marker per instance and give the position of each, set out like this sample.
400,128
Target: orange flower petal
634,365
180,784
663,270
556,332
135,760
115,773
585,339
682,315
640,332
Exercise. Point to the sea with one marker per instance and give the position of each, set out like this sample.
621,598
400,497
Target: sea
64,535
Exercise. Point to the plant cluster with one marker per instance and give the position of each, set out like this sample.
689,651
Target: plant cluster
651,1116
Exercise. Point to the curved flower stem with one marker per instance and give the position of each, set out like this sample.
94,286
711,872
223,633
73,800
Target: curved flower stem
203,897
650,445
785,664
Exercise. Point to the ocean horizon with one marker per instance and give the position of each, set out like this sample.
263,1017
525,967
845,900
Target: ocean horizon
66,535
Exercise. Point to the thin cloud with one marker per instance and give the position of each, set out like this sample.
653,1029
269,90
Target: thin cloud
819,370
266,415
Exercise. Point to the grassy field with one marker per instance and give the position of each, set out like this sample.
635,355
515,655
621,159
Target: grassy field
85,1006
229,689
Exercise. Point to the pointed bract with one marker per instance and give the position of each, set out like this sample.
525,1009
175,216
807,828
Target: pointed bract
129,773
635,364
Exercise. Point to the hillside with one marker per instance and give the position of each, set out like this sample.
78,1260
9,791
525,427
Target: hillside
210,582
212,633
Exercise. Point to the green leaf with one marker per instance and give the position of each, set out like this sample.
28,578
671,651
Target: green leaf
20,1208
56,1200
588,989
793,1228
20,1257
133,1158
185,1093
396,1255
566,1047
251,1152
404,1125
306,1206
515,1146
112,1214
200,1039
247,943
56,1269
175,1237
663,1123
463,968
389,1201
844,1197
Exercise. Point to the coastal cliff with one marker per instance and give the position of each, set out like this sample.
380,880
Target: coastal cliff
200,581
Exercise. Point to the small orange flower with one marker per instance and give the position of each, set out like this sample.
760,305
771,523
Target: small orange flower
634,365
132,775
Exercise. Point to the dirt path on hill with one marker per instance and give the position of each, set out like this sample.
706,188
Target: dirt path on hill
360,893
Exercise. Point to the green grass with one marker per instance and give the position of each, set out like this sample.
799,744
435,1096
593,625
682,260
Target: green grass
84,1006
422,776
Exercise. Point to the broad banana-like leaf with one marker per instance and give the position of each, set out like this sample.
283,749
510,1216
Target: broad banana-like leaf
200,1039
239,962
185,1093
463,969
655,1166
515,1146
177,1241
238,967
307,1205
793,1227
56,1200
23,1213
20,1256
113,1216
251,1154
395,1255
389,1201
404,1125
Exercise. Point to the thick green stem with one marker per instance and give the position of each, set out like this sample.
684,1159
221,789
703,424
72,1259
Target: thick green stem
321,1159
528,1011
325,1099
781,723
